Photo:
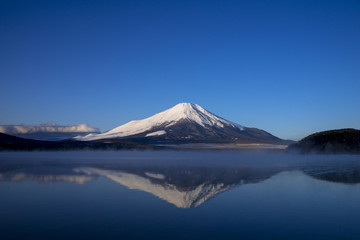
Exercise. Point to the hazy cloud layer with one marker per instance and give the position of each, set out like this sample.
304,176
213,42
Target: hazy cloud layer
46,128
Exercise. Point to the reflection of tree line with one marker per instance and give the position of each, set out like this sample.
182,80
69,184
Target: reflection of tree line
340,174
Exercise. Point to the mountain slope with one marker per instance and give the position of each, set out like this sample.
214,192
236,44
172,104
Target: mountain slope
184,123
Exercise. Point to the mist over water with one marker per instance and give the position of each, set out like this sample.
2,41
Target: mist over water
188,157
178,194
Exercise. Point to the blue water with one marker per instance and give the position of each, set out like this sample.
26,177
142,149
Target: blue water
176,195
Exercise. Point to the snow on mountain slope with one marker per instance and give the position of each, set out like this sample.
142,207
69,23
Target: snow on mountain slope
157,133
167,118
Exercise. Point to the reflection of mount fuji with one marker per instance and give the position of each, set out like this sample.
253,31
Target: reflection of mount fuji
186,187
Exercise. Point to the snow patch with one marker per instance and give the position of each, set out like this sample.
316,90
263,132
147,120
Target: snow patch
155,175
157,133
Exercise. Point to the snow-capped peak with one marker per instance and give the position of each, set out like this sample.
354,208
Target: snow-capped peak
189,111
169,117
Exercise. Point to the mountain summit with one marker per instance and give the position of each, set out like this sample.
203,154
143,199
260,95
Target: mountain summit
185,123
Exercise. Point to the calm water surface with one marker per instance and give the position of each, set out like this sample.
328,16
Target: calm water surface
178,195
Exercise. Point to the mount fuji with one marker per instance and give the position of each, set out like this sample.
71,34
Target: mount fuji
184,123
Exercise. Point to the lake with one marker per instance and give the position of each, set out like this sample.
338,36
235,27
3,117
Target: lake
178,195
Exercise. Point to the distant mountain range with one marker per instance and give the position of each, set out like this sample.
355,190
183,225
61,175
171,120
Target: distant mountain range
184,123
48,132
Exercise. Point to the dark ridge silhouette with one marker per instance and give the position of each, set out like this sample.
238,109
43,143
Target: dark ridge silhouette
12,143
329,142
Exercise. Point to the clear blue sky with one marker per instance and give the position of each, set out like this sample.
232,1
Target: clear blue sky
288,67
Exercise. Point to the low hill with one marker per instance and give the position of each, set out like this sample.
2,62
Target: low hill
333,141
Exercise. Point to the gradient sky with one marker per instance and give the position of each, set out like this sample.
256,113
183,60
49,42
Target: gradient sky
288,67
